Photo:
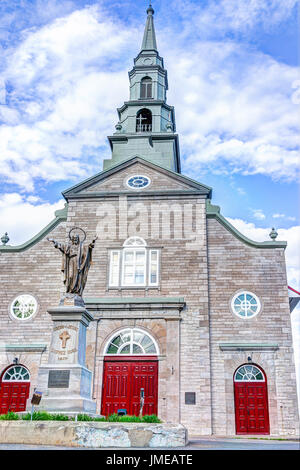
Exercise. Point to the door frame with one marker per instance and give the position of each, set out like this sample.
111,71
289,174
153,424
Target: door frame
128,358
16,381
265,382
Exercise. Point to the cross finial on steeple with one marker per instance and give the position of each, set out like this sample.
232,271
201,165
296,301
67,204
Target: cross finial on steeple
149,39
150,10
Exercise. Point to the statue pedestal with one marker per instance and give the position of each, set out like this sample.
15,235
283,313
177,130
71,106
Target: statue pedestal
65,381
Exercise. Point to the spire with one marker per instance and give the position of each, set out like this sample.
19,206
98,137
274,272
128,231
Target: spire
149,39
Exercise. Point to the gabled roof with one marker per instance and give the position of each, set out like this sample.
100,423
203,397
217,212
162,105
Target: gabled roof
194,186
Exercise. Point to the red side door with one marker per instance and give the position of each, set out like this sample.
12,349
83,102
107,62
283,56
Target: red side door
13,396
251,408
122,383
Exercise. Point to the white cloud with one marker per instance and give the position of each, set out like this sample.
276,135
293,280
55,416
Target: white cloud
233,105
63,106
283,216
258,214
28,213
234,110
221,16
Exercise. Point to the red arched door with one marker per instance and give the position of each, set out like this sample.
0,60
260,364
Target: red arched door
251,400
14,389
130,364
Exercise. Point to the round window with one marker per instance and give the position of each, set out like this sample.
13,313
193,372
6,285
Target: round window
23,307
138,181
245,304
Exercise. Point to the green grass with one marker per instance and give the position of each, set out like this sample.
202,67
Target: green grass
45,416
10,416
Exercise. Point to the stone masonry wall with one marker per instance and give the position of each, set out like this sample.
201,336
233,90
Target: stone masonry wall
183,274
35,271
232,265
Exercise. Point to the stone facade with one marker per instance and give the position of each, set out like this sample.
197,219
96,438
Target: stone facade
191,333
203,263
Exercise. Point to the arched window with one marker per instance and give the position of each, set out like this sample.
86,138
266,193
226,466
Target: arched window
144,121
249,373
16,374
131,341
134,262
146,88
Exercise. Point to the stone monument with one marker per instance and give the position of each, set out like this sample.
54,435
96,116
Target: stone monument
65,380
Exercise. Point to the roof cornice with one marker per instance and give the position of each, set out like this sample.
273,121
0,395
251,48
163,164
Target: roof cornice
74,190
60,216
213,212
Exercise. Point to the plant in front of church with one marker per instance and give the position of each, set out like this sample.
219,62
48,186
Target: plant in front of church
10,416
45,416
133,419
151,419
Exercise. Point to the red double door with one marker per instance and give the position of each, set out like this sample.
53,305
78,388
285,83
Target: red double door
251,408
122,383
13,396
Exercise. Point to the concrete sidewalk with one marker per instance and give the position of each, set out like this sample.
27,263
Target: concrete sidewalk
196,443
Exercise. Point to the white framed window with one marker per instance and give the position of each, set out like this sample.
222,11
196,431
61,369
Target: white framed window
135,265
131,341
114,268
153,267
23,307
249,373
16,374
245,304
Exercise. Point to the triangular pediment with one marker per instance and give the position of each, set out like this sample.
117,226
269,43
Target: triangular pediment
114,180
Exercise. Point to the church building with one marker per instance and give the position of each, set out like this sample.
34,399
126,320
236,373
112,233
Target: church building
177,302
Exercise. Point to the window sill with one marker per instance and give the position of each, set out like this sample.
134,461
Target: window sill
134,288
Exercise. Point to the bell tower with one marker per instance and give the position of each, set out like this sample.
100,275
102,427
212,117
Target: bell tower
146,125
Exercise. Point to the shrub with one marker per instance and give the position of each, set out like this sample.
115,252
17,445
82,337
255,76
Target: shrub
45,416
113,417
151,419
11,416
83,417
129,419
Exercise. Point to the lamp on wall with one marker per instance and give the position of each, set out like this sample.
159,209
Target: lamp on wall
249,359
16,361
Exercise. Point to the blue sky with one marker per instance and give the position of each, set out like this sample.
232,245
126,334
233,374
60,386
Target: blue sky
233,79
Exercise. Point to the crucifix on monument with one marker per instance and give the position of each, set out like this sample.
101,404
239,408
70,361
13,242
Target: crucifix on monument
64,338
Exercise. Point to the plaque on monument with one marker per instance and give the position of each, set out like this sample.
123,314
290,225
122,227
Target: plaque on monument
190,398
58,379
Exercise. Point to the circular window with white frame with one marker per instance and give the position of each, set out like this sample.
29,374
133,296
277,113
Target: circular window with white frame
23,307
245,304
138,181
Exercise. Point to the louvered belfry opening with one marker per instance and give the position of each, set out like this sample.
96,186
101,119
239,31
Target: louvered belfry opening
146,88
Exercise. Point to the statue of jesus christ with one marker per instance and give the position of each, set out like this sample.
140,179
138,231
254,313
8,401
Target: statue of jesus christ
76,261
